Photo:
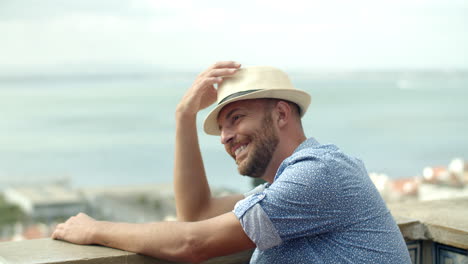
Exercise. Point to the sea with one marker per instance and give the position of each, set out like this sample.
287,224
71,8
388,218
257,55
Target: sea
118,129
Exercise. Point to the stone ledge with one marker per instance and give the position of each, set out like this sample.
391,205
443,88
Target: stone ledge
412,229
48,251
444,221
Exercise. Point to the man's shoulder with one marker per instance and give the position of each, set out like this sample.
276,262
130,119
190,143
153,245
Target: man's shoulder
313,151
309,161
312,156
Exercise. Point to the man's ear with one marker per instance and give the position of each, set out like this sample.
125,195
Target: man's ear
283,111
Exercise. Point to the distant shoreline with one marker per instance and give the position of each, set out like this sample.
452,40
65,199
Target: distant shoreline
93,76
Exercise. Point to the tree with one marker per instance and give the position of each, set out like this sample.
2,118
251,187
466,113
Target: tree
9,213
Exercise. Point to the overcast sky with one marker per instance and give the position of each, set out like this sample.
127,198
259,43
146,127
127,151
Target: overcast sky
182,34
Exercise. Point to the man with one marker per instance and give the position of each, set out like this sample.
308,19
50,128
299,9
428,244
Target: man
319,205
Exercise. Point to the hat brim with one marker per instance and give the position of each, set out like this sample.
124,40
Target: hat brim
301,98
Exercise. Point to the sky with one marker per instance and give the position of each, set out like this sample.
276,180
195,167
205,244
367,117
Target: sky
41,35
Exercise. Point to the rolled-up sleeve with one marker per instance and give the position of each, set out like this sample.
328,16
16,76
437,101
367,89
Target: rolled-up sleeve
258,227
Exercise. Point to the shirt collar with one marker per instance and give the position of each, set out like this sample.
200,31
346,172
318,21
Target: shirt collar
308,143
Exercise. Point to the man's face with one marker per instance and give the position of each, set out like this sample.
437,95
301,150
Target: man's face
249,135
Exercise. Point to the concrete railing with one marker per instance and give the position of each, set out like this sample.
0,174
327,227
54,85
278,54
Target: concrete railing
425,225
436,231
48,251
444,221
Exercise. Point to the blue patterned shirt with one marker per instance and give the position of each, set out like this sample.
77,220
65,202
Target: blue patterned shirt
321,208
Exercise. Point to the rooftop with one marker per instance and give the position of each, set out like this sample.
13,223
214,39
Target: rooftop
46,194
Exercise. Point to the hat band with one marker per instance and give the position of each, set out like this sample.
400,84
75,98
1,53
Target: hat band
237,95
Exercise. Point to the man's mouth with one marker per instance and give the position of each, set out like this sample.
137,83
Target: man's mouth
239,150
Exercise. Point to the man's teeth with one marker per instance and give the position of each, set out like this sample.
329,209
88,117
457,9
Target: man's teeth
238,150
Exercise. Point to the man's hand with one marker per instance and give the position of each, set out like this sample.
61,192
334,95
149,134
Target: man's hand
77,229
203,93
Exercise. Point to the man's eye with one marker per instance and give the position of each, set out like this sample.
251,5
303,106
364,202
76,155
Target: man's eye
236,117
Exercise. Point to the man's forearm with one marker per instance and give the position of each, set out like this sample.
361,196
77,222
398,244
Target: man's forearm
191,188
176,241
166,240
193,197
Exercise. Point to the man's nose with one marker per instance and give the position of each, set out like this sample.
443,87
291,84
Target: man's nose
226,135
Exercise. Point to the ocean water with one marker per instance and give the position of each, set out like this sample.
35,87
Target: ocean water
118,130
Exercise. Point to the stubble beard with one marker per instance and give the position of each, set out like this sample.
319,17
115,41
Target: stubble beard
264,142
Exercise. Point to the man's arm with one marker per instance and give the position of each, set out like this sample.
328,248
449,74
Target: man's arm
176,241
193,197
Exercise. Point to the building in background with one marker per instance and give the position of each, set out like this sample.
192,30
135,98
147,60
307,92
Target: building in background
135,204
46,203
445,182
436,183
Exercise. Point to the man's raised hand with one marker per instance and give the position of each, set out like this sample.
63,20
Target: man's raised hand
203,93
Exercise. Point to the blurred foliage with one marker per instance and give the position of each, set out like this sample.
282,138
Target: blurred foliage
157,205
142,199
9,214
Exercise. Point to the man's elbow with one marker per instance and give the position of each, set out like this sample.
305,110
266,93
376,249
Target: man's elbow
185,217
188,218
193,217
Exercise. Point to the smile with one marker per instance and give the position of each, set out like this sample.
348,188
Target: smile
239,150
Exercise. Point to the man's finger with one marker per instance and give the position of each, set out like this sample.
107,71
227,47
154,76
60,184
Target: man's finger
226,64
222,72
211,81
56,234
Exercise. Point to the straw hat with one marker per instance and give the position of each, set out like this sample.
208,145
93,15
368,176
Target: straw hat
253,83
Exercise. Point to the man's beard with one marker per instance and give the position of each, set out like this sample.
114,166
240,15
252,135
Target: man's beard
264,142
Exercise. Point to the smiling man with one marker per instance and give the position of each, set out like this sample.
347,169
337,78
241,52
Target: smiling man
318,205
